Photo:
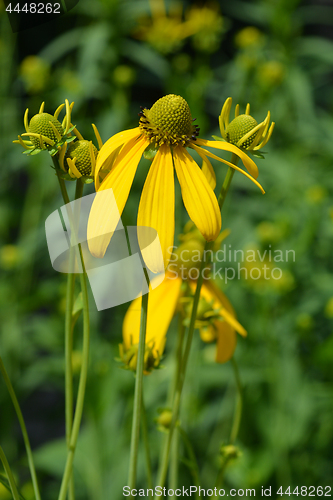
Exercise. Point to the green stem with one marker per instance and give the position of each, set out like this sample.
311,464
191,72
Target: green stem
235,424
9,473
23,429
194,468
145,436
85,354
173,474
227,181
176,405
69,339
239,405
138,391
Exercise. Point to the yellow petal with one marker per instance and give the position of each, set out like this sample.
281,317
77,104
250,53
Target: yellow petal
162,302
226,342
157,206
211,155
226,146
208,170
110,146
104,216
209,290
199,198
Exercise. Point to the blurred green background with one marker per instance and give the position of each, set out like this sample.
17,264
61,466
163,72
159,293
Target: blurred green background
111,57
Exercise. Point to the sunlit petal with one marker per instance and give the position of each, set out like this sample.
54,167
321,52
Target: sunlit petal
199,198
110,146
226,146
207,169
157,205
103,220
211,155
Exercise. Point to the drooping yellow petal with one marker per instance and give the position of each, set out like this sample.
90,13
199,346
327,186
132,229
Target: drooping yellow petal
104,216
226,342
162,304
209,290
207,169
157,207
199,198
226,146
211,155
110,146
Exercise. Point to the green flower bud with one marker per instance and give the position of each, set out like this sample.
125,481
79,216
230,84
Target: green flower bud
79,153
40,124
239,127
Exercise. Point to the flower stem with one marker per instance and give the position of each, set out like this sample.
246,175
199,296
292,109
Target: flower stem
176,404
9,473
235,423
173,474
239,405
69,340
85,352
23,429
227,181
138,391
146,445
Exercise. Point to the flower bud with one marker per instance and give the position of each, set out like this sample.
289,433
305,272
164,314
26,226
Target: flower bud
239,127
164,419
40,124
79,153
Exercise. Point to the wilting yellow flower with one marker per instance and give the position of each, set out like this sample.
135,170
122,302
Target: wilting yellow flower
244,131
168,128
216,319
45,131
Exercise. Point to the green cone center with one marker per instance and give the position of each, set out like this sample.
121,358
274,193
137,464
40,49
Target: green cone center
169,121
239,127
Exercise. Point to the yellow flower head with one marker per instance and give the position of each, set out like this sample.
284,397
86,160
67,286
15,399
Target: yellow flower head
168,127
45,131
244,131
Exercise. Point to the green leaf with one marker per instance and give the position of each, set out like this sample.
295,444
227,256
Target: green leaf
36,151
256,154
70,139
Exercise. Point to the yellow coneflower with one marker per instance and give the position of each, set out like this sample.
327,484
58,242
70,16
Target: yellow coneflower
167,127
